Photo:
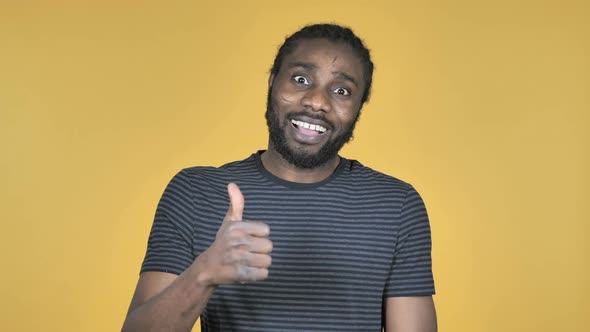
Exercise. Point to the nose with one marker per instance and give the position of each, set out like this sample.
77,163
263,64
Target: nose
317,99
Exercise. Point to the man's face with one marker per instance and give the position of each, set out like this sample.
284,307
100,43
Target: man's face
314,102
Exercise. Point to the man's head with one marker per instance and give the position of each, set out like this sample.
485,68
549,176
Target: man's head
319,81
336,34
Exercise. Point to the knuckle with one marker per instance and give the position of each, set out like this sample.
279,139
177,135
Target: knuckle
239,254
246,273
232,227
238,241
249,274
245,242
241,272
234,256
229,257
234,244
244,259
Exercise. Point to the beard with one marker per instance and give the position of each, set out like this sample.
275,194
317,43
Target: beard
298,157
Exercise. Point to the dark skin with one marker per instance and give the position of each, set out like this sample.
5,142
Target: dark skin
318,77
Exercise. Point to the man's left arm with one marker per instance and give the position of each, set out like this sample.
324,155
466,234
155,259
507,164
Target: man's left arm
407,298
410,314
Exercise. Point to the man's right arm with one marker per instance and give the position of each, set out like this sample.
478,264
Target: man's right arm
240,253
165,301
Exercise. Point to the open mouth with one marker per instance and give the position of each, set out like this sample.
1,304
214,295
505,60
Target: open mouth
308,128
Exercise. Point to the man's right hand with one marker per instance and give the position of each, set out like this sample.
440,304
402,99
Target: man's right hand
240,252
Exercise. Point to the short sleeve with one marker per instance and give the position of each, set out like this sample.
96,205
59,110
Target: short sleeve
169,247
411,270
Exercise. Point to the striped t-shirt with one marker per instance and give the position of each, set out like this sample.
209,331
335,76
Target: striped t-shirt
340,246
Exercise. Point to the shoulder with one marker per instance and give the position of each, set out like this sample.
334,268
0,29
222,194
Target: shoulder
368,187
361,175
199,173
187,179
212,176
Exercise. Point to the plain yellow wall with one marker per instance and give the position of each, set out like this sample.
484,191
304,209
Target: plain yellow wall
483,105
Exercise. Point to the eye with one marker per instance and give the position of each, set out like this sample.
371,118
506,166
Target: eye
342,92
301,79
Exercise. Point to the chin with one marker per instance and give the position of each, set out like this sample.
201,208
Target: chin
300,155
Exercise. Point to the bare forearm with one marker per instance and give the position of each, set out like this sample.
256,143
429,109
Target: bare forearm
176,308
410,314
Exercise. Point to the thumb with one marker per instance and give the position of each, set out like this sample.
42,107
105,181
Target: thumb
236,203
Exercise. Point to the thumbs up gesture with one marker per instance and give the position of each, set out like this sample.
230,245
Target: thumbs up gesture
241,249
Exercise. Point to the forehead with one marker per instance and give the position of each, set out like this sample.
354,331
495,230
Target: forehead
326,54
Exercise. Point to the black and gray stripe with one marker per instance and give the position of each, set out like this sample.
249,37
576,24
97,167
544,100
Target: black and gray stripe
339,246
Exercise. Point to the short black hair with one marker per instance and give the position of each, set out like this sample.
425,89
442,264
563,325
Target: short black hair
334,33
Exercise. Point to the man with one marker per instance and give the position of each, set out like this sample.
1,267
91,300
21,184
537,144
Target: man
294,238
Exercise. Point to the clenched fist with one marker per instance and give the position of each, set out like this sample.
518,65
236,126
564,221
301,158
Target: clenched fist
241,249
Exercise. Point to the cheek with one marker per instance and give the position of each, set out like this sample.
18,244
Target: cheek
285,95
287,98
347,113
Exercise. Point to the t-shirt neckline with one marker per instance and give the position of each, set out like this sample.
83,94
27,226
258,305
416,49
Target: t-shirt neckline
297,185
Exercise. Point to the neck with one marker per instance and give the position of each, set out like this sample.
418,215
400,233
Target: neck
279,167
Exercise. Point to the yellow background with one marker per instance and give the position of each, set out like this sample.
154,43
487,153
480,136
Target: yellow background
483,105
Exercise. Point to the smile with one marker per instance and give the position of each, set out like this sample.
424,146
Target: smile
309,126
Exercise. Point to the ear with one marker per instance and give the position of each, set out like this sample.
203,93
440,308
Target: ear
271,80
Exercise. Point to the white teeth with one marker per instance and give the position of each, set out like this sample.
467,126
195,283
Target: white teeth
310,126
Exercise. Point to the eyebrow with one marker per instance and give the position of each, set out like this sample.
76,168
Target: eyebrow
304,65
345,76
311,67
